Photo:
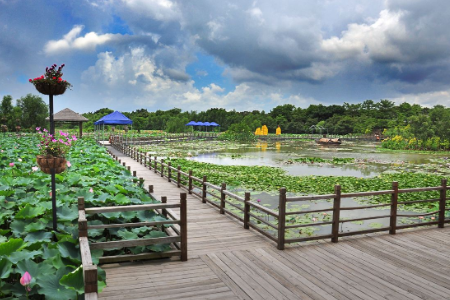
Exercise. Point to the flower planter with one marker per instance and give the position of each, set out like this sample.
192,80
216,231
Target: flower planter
50,89
50,162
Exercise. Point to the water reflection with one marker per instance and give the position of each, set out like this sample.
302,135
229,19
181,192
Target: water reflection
369,162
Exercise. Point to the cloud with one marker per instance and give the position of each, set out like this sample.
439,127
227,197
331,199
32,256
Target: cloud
72,41
429,99
161,10
134,80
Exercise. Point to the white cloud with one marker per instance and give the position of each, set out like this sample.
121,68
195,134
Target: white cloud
429,99
133,80
161,10
375,41
72,41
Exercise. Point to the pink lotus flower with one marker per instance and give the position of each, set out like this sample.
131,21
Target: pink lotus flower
20,159
91,190
50,193
34,169
11,164
314,219
25,279
68,164
258,200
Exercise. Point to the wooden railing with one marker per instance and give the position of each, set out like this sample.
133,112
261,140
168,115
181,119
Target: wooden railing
250,212
163,138
337,208
177,236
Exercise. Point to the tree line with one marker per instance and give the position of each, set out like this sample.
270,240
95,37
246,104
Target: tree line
368,117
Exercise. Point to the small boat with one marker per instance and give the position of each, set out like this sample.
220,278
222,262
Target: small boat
327,141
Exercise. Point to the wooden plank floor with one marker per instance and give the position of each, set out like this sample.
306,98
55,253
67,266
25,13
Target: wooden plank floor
228,262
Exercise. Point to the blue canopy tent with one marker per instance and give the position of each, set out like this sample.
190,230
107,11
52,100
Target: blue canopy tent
206,124
115,118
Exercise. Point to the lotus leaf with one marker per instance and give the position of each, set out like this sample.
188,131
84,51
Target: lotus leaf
5,267
74,280
38,236
29,212
68,249
11,246
53,290
23,255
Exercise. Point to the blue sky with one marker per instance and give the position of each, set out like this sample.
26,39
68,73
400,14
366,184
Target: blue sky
232,54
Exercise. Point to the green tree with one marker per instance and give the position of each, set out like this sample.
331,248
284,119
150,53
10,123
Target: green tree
34,111
7,112
176,125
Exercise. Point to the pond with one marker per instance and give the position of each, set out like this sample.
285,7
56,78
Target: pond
369,161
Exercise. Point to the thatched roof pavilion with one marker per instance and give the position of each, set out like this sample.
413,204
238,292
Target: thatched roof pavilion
68,115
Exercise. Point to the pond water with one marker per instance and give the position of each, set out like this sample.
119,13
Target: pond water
368,161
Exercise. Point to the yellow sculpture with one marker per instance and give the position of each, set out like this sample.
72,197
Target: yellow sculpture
278,131
264,130
258,131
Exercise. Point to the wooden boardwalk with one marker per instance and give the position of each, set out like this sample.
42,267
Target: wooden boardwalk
228,262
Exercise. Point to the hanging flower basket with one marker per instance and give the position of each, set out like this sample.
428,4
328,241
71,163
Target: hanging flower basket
50,89
46,163
51,83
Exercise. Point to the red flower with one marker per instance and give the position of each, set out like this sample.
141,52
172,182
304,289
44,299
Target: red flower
59,79
30,80
54,77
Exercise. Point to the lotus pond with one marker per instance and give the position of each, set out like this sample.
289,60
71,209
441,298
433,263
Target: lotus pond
305,168
27,242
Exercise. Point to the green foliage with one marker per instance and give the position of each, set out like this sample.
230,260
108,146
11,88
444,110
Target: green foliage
33,110
176,125
27,242
239,132
334,160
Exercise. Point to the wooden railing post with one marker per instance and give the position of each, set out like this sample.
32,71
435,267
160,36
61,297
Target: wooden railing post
442,201
222,197
90,279
82,223
204,190
155,167
394,207
150,188
281,218
162,167
149,162
336,214
178,176
190,182
169,171
183,226
246,210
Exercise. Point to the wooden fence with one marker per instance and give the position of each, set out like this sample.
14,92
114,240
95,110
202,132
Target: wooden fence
177,232
129,139
250,212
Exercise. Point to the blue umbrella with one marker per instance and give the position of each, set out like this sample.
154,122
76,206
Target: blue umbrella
213,124
191,123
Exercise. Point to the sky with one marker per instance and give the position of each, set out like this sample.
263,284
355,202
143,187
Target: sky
234,54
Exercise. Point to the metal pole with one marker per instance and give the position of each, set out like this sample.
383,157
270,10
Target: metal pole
52,132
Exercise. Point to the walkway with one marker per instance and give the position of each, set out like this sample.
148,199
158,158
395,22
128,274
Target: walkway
228,262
